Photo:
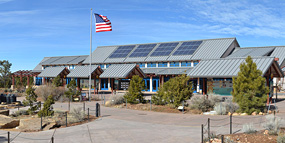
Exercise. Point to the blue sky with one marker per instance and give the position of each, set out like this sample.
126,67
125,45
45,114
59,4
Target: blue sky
33,29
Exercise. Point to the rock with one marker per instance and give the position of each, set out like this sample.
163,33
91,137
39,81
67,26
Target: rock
266,132
8,122
269,112
243,114
180,107
4,112
229,113
253,113
235,114
108,103
260,113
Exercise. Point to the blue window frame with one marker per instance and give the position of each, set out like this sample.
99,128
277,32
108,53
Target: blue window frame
108,65
142,65
196,63
102,66
151,65
185,64
163,64
174,64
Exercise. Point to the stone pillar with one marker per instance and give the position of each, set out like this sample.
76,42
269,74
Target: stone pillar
198,85
150,84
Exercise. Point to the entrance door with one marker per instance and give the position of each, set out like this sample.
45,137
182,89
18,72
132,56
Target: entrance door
104,84
194,83
155,83
147,84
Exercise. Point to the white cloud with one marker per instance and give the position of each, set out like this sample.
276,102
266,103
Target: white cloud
239,17
4,1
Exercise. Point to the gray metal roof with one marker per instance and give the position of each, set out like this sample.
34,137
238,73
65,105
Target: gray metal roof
51,72
279,52
174,71
227,67
38,68
152,70
212,49
118,71
64,60
253,52
82,71
209,48
100,54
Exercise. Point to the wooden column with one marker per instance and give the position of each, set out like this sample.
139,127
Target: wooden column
43,80
204,87
94,85
112,85
63,81
78,84
21,78
267,81
28,80
13,80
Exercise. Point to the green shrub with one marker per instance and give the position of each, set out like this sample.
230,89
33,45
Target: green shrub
31,98
77,115
248,128
281,138
220,108
47,111
272,124
135,90
20,112
174,91
204,104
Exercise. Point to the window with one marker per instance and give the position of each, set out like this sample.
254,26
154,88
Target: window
71,67
102,66
185,64
151,65
108,65
164,64
174,64
196,63
142,65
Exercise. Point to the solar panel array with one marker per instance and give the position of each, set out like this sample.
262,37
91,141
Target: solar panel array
122,51
187,48
164,49
142,50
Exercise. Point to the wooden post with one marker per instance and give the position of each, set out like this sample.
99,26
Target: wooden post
78,83
28,80
204,86
13,80
112,85
95,85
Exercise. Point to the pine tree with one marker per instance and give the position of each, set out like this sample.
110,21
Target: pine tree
72,92
47,111
135,90
56,81
174,91
249,89
31,98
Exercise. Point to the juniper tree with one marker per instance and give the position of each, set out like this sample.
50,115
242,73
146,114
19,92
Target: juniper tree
174,91
56,81
72,92
249,89
31,99
47,111
135,90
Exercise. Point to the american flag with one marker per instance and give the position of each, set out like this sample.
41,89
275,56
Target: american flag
102,23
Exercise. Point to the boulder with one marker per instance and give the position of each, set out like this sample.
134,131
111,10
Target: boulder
8,122
229,113
260,113
4,112
235,114
269,112
243,114
253,113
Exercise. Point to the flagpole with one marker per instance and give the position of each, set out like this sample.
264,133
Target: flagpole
90,56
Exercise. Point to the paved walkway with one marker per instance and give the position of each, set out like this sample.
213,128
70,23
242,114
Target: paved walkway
124,125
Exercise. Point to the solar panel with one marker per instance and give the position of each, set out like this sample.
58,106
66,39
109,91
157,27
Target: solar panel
164,49
143,50
122,51
187,48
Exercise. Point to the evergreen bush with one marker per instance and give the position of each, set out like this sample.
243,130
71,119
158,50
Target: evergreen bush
47,111
174,91
249,89
135,90
31,99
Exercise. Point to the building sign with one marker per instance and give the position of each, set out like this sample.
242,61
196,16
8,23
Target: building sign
124,84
